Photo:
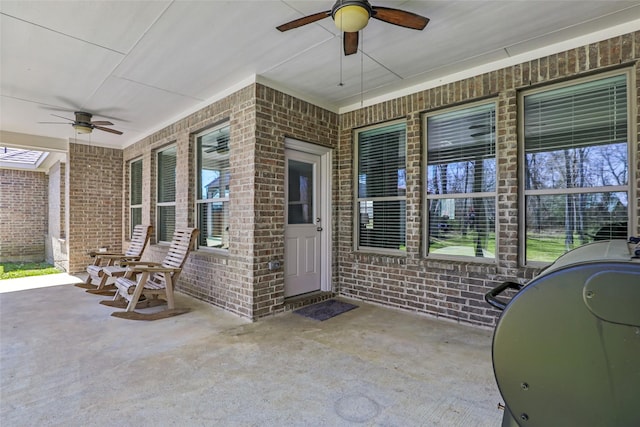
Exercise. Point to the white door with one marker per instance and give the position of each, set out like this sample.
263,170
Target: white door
303,223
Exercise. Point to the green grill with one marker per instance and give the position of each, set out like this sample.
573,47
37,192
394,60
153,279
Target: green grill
566,349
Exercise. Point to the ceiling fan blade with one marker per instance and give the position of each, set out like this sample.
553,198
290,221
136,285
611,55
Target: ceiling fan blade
55,115
350,43
117,132
101,123
53,123
400,17
304,21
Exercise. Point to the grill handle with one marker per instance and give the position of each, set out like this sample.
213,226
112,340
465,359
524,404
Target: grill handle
491,296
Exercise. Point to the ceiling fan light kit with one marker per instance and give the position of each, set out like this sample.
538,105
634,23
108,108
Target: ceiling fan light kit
82,128
351,16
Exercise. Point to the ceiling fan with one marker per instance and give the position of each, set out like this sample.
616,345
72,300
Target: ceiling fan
84,124
351,16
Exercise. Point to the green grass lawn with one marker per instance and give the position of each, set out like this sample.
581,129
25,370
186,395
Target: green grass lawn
12,270
547,248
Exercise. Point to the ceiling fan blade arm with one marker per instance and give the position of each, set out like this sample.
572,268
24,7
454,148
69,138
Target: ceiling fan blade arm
304,21
401,18
350,41
117,132
102,123
55,115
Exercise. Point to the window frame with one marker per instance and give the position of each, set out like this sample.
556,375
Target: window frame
163,204
426,198
357,199
630,188
131,205
197,176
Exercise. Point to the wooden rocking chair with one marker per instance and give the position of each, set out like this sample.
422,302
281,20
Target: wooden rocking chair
152,280
112,261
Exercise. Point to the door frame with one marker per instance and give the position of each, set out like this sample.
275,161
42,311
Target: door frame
326,237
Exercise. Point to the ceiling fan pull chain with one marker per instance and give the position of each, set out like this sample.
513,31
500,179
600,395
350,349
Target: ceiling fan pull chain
340,54
362,69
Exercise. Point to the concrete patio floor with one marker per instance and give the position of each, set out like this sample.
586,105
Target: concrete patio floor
65,361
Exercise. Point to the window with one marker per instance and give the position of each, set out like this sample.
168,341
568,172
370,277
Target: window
213,187
576,166
135,193
461,182
166,205
381,188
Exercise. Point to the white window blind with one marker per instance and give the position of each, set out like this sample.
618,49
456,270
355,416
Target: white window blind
593,113
135,193
166,203
381,188
461,182
213,187
576,166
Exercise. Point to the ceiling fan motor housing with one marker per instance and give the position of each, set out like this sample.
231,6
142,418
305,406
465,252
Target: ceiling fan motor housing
82,117
83,122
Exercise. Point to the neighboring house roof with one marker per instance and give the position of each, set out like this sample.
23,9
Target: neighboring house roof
19,156
214,183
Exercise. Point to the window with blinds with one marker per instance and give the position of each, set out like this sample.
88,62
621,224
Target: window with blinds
166,200
576,166
461,181
135,193
213,187
381,188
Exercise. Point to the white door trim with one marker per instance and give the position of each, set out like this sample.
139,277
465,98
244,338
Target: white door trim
326,237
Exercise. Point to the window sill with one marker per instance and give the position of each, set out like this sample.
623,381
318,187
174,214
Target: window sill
218,252
380,252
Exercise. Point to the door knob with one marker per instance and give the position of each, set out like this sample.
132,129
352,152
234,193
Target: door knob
319,228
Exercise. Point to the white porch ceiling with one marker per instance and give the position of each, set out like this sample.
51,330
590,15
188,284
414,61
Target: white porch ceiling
144,64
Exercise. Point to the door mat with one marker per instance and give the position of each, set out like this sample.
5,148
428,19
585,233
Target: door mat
325,310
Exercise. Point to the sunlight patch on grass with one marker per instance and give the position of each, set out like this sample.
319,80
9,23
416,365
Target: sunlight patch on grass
13,270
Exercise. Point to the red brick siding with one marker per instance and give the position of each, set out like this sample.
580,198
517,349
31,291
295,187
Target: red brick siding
455,289
94,180
279,116
261,118
221,279
23,215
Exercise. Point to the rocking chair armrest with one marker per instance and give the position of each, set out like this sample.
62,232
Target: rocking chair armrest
115,271
154,269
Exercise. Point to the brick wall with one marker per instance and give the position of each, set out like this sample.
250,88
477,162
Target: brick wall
259,119
23,215
94,204
279,116
222,279
455,289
